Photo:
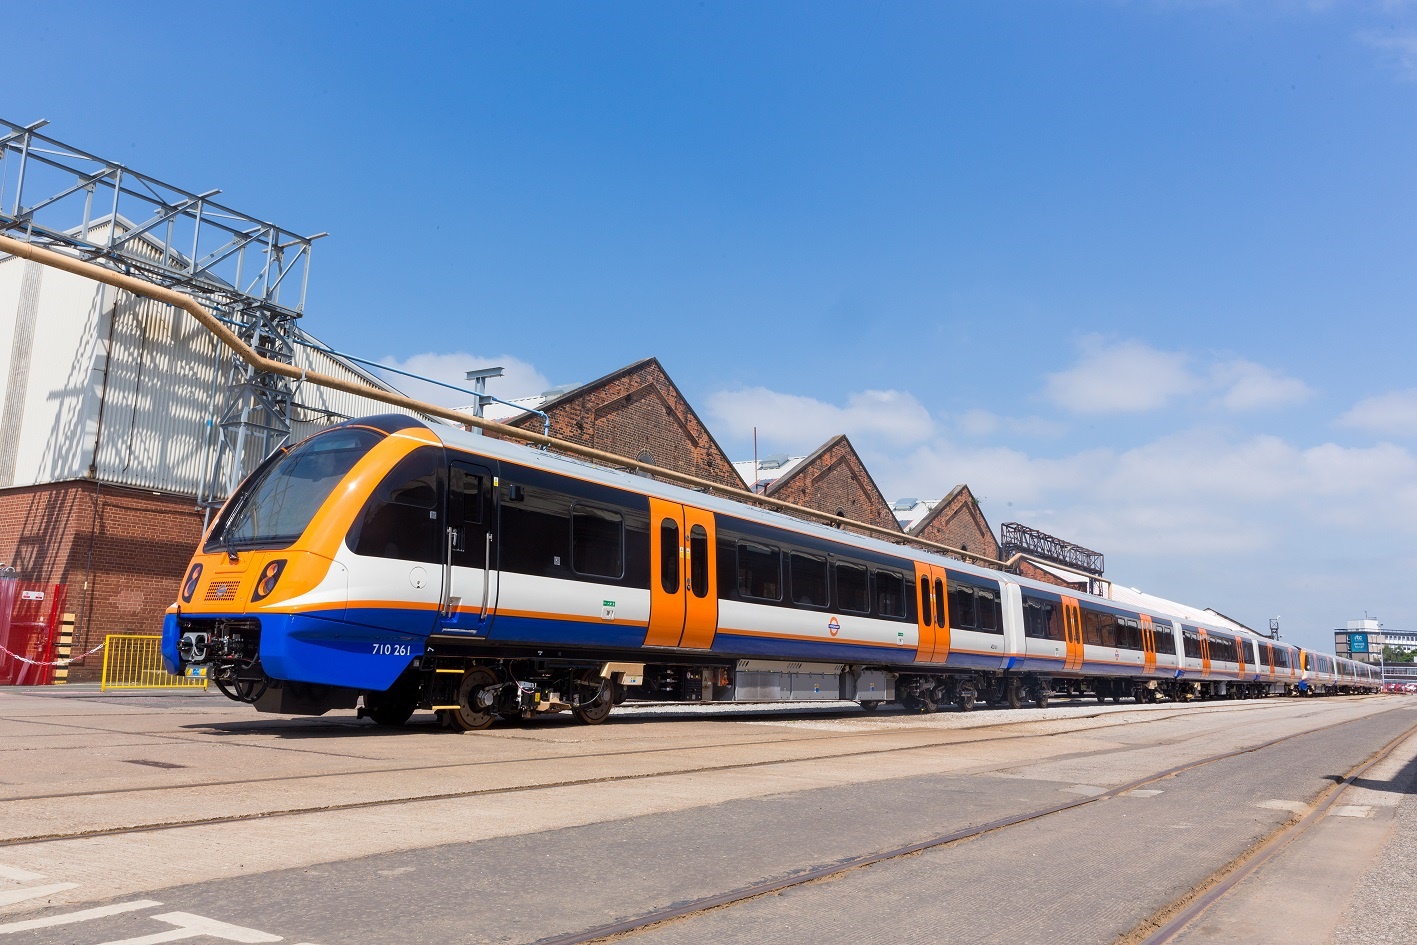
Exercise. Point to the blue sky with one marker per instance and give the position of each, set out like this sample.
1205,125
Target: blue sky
1142,274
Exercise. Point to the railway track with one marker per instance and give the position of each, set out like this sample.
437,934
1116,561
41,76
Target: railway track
956,738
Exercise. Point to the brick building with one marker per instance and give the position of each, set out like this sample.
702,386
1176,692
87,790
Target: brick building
957,521
640,413
833,479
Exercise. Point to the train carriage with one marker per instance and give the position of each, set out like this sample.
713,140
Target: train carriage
403,565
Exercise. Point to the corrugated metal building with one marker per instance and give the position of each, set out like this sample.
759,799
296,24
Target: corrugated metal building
106,401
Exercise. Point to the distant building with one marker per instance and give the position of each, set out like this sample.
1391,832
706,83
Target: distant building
833,479
957,521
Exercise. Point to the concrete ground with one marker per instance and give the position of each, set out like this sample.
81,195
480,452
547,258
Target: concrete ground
165,817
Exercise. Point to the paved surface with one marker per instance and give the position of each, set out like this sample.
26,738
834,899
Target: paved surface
521,833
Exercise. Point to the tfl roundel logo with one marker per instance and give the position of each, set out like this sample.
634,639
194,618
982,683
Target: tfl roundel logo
833,626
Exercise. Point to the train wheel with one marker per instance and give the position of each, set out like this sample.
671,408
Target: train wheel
471,715
965,697
597,710
870,705
1013,694
1040,696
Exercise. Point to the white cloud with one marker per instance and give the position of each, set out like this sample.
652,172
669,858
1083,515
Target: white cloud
1133,377
986,423
797,423
1390,414
1249,386
1120,377
519,379
1400,48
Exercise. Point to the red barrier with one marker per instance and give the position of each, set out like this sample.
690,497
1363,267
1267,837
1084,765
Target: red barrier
29,624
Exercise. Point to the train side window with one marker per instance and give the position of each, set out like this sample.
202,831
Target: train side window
962,607
989,611
669,555
1165,638
924,600
759,571
1191,642
809,580
698,561
939,603
1032,619
597,542
1092,627
1128,634
890,594
400,520
852,591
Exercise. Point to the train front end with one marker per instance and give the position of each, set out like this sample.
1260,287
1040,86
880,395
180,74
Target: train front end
263,605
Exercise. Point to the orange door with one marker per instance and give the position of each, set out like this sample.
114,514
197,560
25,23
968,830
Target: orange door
701,584
1148,644
1205,655
925,619
934,618
1072,632
668,554
1240,656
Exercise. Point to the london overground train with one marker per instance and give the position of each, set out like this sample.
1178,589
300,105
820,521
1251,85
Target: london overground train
412,566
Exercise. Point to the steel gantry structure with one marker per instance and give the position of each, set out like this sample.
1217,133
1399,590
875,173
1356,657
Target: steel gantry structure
250,273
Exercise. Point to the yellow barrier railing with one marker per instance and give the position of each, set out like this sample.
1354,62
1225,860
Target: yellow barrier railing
135,662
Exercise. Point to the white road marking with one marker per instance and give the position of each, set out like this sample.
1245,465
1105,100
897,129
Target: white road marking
1294,807
12,896
195,926
18,875
1352,810
84,916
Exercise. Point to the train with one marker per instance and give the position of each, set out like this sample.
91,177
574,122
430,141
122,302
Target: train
387,565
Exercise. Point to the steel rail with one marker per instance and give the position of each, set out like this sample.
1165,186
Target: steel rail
607,779
659,917
88,270
1236,871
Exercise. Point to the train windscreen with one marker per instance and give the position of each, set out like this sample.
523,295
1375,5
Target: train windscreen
276,504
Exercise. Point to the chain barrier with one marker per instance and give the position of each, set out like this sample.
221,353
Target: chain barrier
73,659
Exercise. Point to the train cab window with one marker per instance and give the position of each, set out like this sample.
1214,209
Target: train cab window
759,571
400,519
597,542
962,610
939,603
809,580
698,561
669,555
925,611
890,594
989,610
276,504
852,592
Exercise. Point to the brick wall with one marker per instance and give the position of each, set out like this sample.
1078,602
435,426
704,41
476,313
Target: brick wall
639,413
121,552
834,480
958,522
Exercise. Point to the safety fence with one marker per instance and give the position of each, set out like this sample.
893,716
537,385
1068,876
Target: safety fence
131,661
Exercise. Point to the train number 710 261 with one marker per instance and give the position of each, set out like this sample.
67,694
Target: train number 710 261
392,649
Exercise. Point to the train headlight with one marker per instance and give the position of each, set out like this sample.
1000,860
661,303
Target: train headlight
266,583
189,586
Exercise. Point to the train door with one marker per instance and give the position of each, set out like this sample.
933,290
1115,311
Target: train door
1240,658
934,617
1148,645
1072,633
1205,655
470,574
683,609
